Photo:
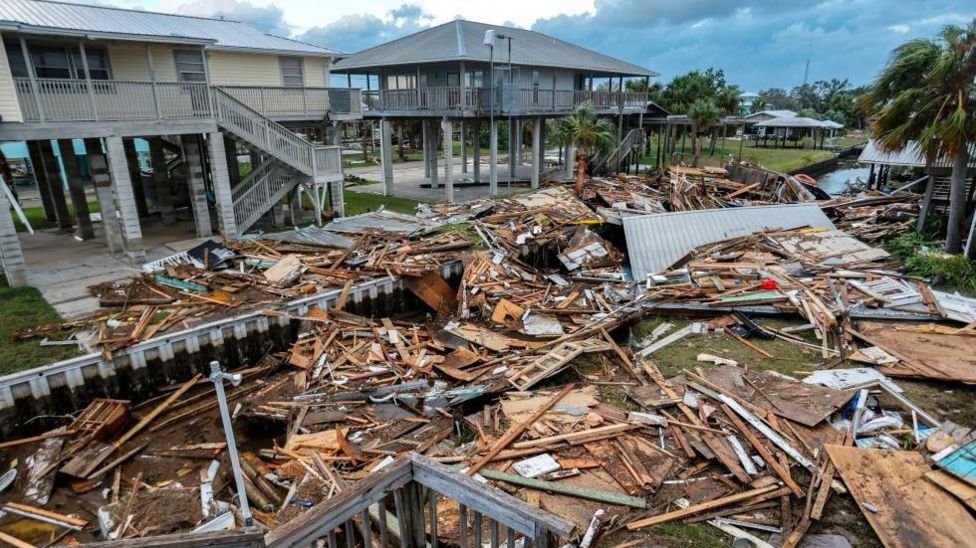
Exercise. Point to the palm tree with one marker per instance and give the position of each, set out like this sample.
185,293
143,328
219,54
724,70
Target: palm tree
758,105
589,134
728,102
926,94
704,115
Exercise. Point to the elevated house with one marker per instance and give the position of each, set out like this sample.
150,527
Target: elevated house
200,91
456,76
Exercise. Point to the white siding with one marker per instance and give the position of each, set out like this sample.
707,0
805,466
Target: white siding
316,72
245,69
129,62
9,106
164,63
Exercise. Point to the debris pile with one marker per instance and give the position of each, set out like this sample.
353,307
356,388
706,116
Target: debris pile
523,374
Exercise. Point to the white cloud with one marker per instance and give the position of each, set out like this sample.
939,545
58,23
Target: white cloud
900,29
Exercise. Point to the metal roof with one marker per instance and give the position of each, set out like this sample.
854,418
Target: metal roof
655,242
461,40
102,21
770,114
796,121
909,156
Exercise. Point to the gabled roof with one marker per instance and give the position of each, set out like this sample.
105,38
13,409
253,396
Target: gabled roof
770,114
61,18
462,40
791,121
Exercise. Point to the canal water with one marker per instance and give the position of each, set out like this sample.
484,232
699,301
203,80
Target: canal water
836,181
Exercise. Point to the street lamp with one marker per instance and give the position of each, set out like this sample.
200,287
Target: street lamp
217,376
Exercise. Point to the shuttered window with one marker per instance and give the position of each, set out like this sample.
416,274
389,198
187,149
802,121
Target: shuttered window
189,66
292,73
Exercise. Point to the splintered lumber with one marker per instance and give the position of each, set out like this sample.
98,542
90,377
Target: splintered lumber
767,457
576,438
598,495
910,510
515,432
46,516
40,437
151,416
768,432
554,361
431,288
702,507
14,541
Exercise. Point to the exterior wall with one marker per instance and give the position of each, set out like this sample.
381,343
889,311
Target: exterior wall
436,74
316,72
245,69
164,63
129,62
9,106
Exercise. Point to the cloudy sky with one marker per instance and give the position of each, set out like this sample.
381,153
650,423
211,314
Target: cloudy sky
759,43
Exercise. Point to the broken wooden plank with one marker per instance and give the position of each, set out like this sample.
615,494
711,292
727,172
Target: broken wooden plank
701,507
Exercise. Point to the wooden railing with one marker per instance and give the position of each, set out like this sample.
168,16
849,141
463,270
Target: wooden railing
72,100
521,100
400,501
260,190
69,100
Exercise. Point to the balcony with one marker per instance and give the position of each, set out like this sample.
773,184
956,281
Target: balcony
71,100
508,101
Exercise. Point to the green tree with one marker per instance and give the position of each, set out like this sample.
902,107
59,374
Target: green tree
926,94
683,90
728,102
777,98
589,134
758,105
704,116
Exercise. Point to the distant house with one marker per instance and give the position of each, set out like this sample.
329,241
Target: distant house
764,116
746,101
458,74
198,90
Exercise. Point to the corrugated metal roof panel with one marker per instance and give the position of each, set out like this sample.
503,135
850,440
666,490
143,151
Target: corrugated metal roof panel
308,235
46,15
655,242
909,156
461,39
386,221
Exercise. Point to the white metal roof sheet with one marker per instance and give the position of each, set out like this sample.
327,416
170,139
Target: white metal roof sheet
909,156
47,16
655,242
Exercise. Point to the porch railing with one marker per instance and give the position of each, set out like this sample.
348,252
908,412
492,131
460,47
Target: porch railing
509,101
72,100
401,501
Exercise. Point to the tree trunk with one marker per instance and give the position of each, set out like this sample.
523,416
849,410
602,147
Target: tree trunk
957,201
711,146
695,145
580,172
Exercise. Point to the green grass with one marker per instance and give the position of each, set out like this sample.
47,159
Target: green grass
777,159
923,257
362,202
35,216
787,357
23,307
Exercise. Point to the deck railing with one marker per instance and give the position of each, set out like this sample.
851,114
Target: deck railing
400,501
511,101
72,100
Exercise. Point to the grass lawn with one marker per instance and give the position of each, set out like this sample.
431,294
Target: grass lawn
777,159
23,307
35,216
362,202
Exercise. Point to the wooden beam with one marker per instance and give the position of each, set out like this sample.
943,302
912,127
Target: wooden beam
702,507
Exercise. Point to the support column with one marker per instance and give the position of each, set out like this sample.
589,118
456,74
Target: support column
278,214
425,147
493,159
40,178
233,166
195,181
295,205
135,175
536,151
128,209
221,184
76,189
511,152
164,190
11,255
432,153
386,156
98,165
476,143
519,143
52,173
464,148
570,163
447,127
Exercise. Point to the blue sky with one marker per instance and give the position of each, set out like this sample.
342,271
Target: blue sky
759,43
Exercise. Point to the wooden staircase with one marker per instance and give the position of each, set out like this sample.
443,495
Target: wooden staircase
554,361
626,147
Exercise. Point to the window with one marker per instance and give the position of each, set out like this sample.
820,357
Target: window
401,81
454,78
474,79
189,66
50,62
292,74
97,63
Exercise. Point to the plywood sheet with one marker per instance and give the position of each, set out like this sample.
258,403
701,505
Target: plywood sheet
942,357
911,510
